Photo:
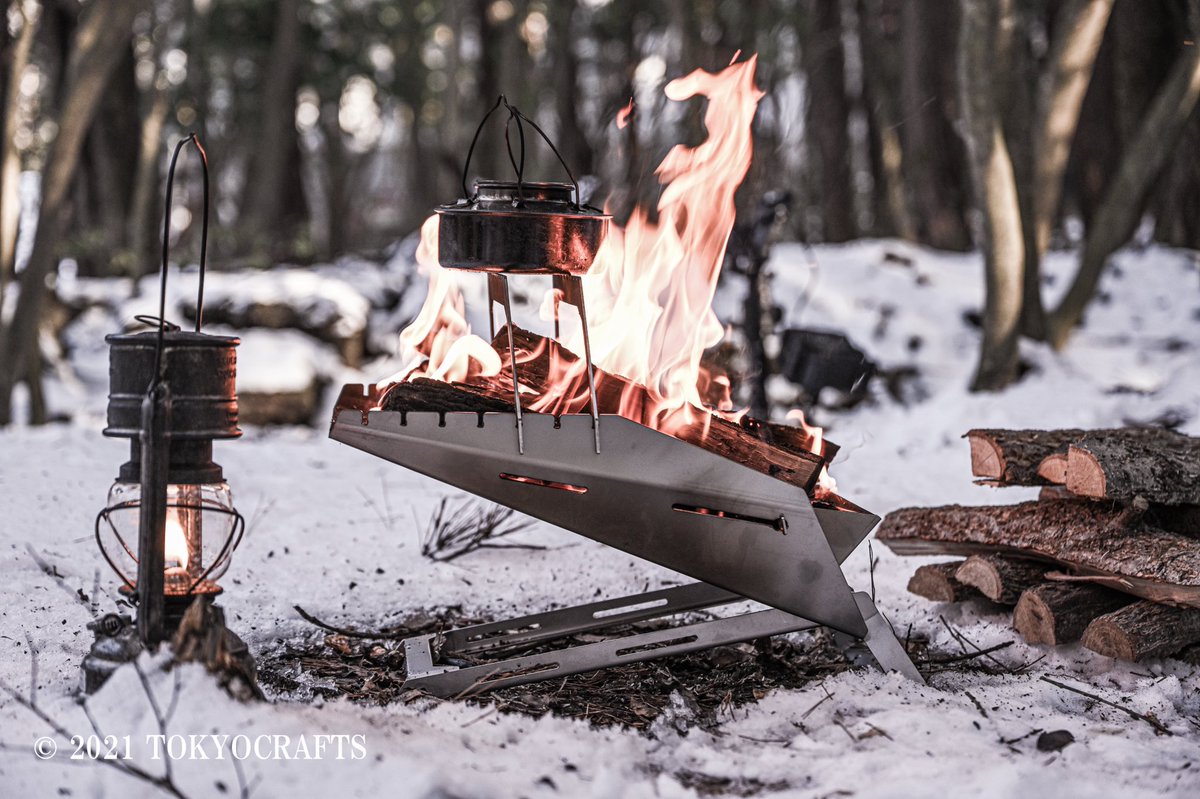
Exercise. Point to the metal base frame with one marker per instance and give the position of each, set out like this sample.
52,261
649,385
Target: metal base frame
435,662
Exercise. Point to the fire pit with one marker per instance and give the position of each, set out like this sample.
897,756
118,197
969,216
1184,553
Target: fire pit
735,503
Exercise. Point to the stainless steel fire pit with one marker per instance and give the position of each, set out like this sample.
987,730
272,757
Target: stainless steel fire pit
743,533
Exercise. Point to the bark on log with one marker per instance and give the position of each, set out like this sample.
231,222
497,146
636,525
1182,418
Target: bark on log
1016,457
1085,537
1057,613
1143,630
1013,456
1163,468
1000,579
781,456
936,582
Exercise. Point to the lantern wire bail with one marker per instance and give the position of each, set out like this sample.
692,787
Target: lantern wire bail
161,320
518,164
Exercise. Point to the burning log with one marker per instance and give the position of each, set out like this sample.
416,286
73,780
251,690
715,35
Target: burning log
1000,579
1161,466
936,582
1032,457
1058,613
1088,538
540,360
1143,630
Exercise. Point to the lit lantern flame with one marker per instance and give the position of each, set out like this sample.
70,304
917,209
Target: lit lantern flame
649,291
176,549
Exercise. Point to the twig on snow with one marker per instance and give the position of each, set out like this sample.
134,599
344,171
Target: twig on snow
1146,717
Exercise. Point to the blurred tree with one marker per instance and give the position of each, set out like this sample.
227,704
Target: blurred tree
96,48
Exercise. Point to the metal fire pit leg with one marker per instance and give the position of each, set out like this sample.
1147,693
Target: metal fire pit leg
453,676
590,657
498,289
881,648
571,287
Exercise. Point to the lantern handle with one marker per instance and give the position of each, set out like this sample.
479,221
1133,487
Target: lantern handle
166,252
514,114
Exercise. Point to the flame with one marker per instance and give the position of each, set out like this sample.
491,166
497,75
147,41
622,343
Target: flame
624,114
649,292
176,556
816,442
438,344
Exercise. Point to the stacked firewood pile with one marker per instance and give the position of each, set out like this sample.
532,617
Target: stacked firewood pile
1108,555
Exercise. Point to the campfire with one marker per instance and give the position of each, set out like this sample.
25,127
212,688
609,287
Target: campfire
614,427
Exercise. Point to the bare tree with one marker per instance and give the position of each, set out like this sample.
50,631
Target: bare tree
828,115
10,168
1060,99
995,189
1143,160
97,46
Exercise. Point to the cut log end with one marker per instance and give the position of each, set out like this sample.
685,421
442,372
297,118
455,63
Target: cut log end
936,582
1104,636
1084,474
1143,630
1057,613
1053,469
1001,580
987,459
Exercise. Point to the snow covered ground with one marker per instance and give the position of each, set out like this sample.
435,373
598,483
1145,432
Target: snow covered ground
336,531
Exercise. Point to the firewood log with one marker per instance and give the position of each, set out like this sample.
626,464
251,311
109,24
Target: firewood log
1163,468
1000,579
1143,630
1015,457
1058,612
1012,457
1088,538
936,582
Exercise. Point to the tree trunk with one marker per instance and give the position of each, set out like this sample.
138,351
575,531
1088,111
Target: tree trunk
996,191
1141,164
1080,27
1098,543
10,166
933,156
96,48
267,198
572,139
828,118
879,98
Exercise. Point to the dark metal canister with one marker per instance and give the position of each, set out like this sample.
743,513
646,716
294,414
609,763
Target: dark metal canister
534,228
201,371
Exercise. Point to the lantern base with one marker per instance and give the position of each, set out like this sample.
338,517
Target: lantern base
116,644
